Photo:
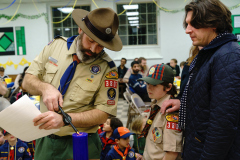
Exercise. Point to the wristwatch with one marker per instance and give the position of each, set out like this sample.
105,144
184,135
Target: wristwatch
66,119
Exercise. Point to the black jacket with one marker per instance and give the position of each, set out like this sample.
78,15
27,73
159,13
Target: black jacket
213,103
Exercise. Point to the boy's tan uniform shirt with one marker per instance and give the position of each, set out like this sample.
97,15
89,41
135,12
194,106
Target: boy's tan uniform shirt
87,89
166,139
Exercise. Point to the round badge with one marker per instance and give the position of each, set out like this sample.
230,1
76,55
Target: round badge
131,154
108,30
95,69
92,76
151,71
111,93
21,149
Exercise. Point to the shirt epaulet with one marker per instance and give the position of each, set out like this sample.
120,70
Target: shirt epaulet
110,62
57,37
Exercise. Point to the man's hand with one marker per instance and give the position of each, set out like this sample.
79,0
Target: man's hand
52,97
49,120
175,103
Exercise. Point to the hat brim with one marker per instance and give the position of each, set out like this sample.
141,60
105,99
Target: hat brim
151,81
126,135
115,44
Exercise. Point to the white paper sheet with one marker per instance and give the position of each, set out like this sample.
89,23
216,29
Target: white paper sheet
17,119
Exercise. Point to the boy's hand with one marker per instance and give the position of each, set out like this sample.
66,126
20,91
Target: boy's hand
175,103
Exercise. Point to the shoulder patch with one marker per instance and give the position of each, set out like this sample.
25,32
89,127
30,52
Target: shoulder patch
172,117
111,64
112,75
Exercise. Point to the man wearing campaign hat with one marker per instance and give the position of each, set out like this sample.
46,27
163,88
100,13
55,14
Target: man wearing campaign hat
76,74
163,138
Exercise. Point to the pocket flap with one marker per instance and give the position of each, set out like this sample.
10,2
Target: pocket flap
86,87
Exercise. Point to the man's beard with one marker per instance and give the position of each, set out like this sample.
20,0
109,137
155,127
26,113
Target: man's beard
135,71
81,51
143,67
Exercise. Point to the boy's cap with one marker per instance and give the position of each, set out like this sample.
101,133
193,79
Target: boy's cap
158,74
5,132
121,132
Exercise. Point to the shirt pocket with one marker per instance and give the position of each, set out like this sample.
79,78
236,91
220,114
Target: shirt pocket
83,92
51,70
156,133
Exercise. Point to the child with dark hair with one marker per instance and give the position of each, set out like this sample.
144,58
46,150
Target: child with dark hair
2,140
122,149
106,136
14,149
163,138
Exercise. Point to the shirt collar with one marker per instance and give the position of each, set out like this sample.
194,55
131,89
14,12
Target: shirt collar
160,101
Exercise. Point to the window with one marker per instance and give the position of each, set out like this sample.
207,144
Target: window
138,25
68,27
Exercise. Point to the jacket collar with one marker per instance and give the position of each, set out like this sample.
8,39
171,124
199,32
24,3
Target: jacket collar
220,41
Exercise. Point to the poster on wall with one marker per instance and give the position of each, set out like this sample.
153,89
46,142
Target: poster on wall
7,46
20,39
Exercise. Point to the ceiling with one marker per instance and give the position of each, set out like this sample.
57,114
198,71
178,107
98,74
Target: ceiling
30,1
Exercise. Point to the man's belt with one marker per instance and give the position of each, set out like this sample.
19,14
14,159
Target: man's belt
53,136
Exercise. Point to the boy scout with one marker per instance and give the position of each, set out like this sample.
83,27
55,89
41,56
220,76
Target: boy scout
122,150
163,138
92,94
14,149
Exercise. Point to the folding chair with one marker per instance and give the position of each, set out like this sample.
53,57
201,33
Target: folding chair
132,112
140,106
129,91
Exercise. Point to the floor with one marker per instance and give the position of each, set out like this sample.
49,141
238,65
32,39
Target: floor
122,108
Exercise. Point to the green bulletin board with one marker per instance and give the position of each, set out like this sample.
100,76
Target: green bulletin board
20,39
7,41
236,26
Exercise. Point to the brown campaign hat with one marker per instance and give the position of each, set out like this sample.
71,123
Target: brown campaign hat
101,25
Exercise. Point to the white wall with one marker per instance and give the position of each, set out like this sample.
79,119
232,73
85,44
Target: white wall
173,42
36,33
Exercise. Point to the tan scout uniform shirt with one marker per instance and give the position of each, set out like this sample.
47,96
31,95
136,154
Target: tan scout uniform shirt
86,91
159,139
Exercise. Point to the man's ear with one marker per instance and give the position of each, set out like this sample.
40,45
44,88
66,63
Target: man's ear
169,88
80,30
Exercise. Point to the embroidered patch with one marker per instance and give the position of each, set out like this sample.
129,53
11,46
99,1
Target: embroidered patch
112,75
156,134
111,93
21,149
131,154
111,102
95,69
172,117
151,71
89,80
173,126
111,83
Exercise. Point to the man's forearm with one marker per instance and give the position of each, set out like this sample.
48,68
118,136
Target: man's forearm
33,84
89,118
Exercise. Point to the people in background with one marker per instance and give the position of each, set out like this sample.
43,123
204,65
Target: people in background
3,88
137,86
14,148
107,135
2,74
182,64
122,149
175,67
139,140
163,138
19,76
121,72
2,140
135,59
143,66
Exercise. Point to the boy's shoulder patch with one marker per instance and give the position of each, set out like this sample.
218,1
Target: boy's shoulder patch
172,117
